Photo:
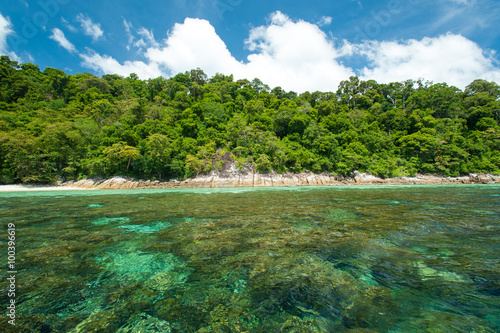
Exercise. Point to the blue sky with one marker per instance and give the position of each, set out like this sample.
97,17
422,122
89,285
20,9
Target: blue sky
310,45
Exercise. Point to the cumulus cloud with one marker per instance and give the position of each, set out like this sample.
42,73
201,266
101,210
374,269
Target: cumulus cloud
108,65
90,28
449,58
193,44
5,30
299,56
190,45
59,37
294,55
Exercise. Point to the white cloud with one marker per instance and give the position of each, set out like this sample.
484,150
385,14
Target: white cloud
128,26
147,39
194,44
5,30
299,56
450,58
278,18
144,40
90,28
325,20
59,37
296,56
68,25
108,65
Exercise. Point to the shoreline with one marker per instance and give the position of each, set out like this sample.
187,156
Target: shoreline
240,179
36,188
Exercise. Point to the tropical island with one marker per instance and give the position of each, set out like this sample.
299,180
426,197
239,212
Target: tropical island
64,128
315,259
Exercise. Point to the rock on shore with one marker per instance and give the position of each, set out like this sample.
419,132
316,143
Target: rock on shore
245,178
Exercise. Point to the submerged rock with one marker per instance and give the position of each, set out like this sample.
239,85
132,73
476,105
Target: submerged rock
340,215
106,321
143,323
168,280
108,220
146,229
428,273
99,320
441,322
165,269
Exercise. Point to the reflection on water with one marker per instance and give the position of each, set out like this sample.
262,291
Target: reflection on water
336,259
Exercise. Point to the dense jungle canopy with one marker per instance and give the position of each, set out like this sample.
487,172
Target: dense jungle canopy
58,126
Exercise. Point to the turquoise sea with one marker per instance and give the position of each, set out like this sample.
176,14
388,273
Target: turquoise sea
298,259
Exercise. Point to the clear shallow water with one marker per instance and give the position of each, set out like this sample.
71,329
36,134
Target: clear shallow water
334,259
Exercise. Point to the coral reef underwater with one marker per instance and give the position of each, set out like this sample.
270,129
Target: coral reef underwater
268,260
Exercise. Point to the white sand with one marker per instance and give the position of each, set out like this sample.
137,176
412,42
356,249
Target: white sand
24,188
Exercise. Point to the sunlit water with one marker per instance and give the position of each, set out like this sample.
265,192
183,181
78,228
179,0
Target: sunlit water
331,259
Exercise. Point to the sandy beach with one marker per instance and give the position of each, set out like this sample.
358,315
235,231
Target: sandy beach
25,188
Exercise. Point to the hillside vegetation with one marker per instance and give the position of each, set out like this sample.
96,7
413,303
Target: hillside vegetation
58,126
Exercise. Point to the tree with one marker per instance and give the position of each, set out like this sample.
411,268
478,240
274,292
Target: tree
483,86
57,125
349,90
263,163
420,145
158,152
120,153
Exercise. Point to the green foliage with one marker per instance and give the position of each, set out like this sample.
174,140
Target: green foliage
263,163
54,125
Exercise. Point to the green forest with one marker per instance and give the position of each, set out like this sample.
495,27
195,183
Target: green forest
55,126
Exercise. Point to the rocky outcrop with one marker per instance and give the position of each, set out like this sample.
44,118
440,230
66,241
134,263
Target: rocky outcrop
481,178
367,179
246,177
262,180
116,183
